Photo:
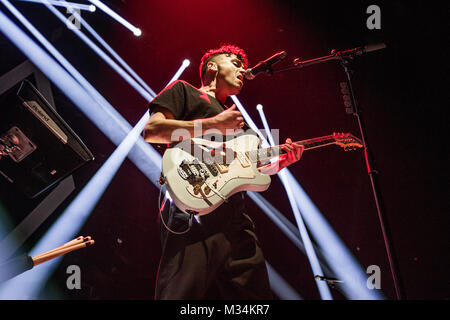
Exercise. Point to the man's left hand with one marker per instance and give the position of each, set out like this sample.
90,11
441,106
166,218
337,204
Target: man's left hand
293,153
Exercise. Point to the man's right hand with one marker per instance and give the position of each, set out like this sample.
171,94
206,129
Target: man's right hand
160,127
228,119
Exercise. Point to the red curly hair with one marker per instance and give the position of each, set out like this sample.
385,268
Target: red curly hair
224,49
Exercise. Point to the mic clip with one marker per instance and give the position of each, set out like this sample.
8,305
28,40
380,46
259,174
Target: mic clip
265,66
330,281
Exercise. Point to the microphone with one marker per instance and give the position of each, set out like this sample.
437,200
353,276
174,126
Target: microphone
264,66
370,48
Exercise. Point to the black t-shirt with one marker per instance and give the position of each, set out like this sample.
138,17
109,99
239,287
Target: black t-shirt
187,103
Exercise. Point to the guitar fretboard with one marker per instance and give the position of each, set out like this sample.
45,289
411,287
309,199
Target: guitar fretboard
265,154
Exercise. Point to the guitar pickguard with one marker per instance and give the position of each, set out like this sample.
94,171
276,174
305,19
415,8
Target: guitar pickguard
201,174
235,171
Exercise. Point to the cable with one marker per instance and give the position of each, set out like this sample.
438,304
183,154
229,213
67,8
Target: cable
191,216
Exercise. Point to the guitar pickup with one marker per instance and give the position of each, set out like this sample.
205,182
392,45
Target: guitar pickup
243,159
184,171
222,168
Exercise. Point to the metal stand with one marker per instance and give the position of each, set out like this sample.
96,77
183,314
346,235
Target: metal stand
345,58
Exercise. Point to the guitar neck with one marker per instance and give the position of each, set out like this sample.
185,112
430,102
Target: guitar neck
265,154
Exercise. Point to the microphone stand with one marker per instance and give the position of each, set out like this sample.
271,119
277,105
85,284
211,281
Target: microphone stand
345,58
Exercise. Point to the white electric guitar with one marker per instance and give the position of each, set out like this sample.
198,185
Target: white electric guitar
201,174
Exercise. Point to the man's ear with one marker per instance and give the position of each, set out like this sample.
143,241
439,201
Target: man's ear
212,66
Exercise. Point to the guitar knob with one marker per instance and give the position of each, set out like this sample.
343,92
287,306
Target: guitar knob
197,189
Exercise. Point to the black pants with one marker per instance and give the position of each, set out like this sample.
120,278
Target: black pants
218,258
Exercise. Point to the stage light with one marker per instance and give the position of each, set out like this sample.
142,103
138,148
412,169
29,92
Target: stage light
103,55
73,5
281,288
136,31
324,291
5,225
180,70
259,107
249,121
111,51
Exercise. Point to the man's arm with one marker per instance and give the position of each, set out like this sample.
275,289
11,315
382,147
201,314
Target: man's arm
163,128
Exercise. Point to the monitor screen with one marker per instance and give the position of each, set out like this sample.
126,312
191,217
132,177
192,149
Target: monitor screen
38,148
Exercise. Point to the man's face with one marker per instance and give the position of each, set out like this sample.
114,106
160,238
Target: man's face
230,73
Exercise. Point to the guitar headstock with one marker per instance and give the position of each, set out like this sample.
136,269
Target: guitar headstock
347,141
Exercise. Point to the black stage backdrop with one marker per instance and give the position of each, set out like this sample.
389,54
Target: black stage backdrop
401,89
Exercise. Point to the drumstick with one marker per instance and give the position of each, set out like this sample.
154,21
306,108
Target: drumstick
56,253
78,240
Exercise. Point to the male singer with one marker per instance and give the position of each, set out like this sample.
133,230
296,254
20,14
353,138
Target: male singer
219,257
